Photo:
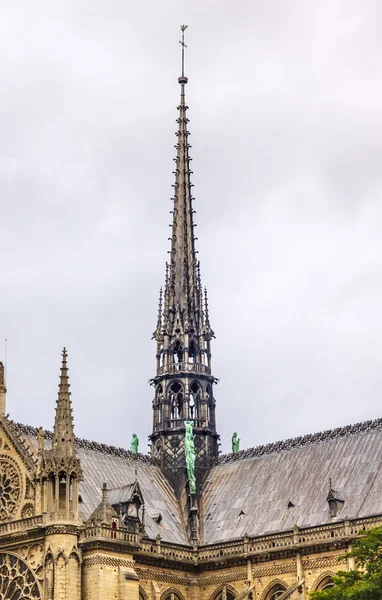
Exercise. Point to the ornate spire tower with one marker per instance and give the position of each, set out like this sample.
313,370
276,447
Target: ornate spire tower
183,381
59,466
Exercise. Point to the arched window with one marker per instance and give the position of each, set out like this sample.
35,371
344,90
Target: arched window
194,400
176,400
172,596
192,352
159,394
327,582
209,400
177,352
223,594
275,592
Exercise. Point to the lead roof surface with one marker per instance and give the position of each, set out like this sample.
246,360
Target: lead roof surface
117,468
248,492
251,494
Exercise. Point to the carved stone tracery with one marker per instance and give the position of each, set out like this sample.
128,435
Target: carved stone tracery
10,488
17,580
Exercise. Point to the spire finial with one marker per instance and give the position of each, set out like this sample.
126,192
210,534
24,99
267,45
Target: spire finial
63,435
182,78
104,493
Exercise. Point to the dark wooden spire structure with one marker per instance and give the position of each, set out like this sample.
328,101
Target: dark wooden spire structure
183,381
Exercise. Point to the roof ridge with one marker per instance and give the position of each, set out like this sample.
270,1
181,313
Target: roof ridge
303,440
86,444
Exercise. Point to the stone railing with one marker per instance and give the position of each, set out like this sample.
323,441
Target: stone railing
21,525
104,532
183,367
219,551
295,539
170,551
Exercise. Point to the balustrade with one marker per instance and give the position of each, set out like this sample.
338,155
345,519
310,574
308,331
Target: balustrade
102,531
183,367
21,525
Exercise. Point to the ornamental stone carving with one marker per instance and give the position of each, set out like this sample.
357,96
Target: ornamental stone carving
10,488
17,581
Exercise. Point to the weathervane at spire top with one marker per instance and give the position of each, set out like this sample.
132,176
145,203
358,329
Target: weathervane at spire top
182,79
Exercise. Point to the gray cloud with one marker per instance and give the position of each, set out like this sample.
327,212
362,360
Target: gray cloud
285,106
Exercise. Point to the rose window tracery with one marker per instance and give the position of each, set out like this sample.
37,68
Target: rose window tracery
17,581
10,488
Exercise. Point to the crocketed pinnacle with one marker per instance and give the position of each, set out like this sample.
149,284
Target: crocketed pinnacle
63,434
2,378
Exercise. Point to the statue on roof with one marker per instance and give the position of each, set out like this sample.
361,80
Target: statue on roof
235,443
189,448
134,444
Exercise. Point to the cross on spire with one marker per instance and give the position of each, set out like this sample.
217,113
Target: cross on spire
183,29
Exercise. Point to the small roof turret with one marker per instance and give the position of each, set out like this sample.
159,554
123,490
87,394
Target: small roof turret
104,514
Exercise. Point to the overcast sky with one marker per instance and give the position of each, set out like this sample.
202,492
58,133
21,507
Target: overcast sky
285,104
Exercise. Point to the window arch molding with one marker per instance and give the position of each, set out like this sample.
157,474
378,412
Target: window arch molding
275,586
323,581
231,592
166,595
142,594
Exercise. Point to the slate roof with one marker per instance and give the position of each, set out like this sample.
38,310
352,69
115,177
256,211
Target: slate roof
121,494
250,492
247,493
116,467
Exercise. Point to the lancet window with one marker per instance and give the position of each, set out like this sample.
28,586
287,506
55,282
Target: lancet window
176,400
192,352
224,594
325,583
275,592
178,352
194,400
172,596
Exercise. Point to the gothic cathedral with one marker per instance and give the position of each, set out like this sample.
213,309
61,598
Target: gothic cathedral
80,520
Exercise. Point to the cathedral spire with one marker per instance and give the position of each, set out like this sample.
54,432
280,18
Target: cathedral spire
63,433
182,290
184,381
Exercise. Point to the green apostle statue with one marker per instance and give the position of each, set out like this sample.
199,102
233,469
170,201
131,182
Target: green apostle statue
235,443
189,449
134,444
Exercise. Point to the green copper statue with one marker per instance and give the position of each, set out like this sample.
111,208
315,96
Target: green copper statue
235,443
134,444
189,449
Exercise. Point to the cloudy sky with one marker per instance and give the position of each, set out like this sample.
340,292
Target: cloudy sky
285,104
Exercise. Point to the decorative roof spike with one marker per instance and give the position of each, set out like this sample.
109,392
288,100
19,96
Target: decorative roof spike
158,330
63,433
206,307
166,299
200,293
